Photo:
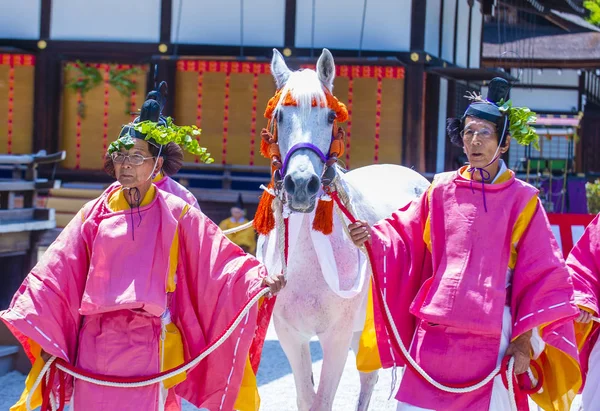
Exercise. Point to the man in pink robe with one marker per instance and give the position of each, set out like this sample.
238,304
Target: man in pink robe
583,263
137,283
471,273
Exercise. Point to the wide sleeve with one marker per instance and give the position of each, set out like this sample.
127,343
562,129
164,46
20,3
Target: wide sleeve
45,308
542,296
401,262
582,263
215,279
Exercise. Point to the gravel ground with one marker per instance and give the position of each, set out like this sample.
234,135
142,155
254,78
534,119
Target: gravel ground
276,383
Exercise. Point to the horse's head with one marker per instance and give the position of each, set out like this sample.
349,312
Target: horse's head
304,117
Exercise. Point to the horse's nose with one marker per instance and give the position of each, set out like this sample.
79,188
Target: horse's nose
307,182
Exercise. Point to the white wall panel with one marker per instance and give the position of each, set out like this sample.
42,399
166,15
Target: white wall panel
462,34
106,20
432,27
218,22
548,77
338,24
544,99
20,19
448,30
476,25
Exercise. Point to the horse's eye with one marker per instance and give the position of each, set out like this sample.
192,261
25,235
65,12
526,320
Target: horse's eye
279,116
331,117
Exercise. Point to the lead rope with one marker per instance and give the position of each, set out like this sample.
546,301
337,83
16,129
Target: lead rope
344,199
72,371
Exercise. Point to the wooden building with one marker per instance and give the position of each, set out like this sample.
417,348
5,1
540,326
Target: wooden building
402,68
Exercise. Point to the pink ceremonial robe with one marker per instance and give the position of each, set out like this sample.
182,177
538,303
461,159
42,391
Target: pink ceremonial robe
584,264
169,185
96,297
444,263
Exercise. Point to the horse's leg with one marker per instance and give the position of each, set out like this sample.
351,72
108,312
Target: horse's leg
335,343
297,350
367,379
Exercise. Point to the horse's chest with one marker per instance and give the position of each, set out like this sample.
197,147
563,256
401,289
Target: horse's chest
307,301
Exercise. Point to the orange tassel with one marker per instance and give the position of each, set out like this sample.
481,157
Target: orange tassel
323,221
264,220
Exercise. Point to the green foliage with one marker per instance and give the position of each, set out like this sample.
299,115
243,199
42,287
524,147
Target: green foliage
520,119
125,142
89,77
184,136
592,192
594,7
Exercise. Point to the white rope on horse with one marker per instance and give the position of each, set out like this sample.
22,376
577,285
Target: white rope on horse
156,380
238,229
347,203
281,233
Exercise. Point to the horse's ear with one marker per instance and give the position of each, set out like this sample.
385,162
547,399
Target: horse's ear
280,70
326,69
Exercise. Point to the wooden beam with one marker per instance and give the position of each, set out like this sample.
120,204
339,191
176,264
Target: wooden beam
417,24
166,17
46,101
583,64
289,39
45,14
413,144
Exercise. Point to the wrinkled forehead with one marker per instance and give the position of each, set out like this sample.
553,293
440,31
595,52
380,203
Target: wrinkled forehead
477,123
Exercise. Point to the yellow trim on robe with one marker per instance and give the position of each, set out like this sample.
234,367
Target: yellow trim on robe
158,177
36,369
501,179
118,202
248,398
367,358
519,229
557,394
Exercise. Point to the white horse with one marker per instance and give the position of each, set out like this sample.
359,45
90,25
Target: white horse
327,278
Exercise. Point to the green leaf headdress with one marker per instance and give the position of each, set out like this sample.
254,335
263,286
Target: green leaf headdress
157,130
516,121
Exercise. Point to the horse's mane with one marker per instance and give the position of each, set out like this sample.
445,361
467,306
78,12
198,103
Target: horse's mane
304,87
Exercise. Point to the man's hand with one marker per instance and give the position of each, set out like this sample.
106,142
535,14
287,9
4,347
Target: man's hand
520,349
360,232
584,316
275,283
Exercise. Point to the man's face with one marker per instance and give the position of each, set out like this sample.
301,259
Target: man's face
480,141
237,213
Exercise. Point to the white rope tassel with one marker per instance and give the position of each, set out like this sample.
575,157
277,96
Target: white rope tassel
146,383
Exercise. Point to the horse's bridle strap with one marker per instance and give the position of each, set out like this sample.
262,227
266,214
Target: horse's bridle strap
302,146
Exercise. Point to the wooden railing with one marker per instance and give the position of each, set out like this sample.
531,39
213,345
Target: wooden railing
24,215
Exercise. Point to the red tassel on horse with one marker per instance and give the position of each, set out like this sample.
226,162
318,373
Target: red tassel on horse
323,221
264,220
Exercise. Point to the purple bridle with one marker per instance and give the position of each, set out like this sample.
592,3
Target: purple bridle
300,146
